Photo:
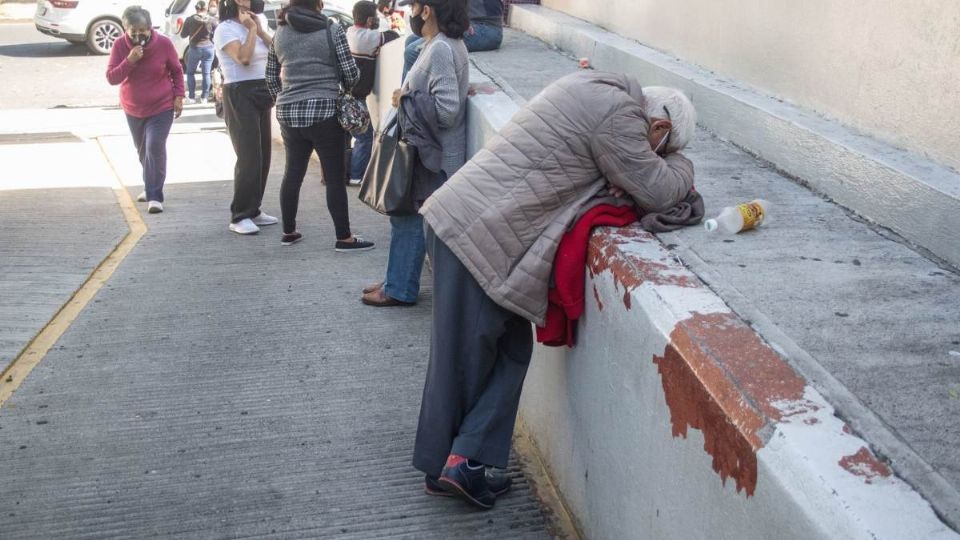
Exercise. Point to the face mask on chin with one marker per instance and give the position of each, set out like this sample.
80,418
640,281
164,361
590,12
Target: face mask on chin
141,39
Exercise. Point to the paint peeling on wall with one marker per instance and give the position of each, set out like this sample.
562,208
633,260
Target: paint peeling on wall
596,295
720,378
865,464
610,250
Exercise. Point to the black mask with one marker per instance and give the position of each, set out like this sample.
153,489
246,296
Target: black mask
256,6
416,25
141,39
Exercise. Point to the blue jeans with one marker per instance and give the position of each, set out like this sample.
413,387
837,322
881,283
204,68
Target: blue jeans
362,146
485,37
407,250
150,138
202,56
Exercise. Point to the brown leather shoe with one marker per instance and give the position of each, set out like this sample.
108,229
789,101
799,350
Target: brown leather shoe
379,298
373,287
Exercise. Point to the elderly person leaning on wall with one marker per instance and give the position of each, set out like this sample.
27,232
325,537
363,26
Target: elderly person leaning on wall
492,233
145,65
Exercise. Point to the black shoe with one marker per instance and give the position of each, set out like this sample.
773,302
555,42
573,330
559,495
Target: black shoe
357,244
498,482
288,239
468,484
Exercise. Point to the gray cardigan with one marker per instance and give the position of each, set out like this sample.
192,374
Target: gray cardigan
442,70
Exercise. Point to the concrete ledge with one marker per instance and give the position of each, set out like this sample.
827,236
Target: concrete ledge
673,417
913,196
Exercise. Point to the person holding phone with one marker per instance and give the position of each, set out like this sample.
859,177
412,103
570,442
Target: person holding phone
242,43
145,66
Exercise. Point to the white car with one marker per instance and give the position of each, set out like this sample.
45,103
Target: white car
94,23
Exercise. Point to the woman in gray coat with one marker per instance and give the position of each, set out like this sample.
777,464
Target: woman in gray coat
438,83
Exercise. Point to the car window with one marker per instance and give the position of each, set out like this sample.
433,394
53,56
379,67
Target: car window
177,6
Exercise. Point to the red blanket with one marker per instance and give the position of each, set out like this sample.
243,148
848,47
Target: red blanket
566,297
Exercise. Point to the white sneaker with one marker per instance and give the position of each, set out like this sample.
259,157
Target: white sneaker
265,219
154,207
142,197
355,182
244,226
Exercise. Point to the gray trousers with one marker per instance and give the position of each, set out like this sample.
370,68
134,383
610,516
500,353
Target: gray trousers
479,354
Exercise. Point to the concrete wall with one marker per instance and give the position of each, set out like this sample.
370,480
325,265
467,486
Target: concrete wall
888,68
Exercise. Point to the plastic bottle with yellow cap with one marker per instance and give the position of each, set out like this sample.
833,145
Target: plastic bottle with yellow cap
739,218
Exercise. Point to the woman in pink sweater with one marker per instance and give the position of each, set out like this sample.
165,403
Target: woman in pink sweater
145,65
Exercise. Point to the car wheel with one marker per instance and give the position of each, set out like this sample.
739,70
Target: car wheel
102,35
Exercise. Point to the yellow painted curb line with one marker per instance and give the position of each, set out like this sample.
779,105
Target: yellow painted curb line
34,352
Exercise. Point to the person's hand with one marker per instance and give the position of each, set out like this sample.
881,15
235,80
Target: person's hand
471,30
248,20
396,98
615,191
177,106
135,55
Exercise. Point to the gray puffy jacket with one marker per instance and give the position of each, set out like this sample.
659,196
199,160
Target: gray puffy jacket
504,212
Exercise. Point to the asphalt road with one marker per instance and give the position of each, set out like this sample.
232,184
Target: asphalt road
41,72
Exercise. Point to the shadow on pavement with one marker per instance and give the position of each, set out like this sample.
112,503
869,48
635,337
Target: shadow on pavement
44,50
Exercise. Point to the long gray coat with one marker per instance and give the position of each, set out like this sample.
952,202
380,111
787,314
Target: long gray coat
504,212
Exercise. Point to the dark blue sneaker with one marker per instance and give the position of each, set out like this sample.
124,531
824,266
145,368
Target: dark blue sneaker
498,482
466,483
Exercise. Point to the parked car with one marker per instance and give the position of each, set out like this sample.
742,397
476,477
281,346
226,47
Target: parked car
94,23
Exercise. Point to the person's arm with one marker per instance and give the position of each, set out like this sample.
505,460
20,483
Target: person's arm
443,85
176,75
243,51
187,28
349,72
622,153
122,61
274,84
263,29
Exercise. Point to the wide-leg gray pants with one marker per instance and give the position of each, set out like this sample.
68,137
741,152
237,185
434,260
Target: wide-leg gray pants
479,354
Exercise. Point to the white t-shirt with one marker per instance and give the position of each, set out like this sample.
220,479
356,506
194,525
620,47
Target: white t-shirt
233,71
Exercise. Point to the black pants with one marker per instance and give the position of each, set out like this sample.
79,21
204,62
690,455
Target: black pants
150,138
479,354
246,111
329,141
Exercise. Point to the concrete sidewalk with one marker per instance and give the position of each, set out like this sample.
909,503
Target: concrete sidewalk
218,385
872,323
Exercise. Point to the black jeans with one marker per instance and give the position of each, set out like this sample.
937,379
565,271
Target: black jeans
329,141
479,354
246,111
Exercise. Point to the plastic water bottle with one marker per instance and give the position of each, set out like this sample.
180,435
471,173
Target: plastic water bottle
742,217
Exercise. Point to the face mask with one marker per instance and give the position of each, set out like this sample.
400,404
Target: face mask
374,23
416,25
256,6
141,39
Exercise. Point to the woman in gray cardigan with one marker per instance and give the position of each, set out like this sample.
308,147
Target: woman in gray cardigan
438,83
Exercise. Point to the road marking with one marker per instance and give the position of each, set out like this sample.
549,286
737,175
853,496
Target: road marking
36,350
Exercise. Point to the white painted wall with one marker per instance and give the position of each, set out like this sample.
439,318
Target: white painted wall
890,68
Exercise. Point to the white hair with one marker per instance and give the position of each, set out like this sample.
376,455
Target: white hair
669,103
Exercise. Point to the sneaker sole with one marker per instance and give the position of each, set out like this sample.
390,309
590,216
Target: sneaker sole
441,493
292,242
154,211
353,250
266,224
457,490
251,233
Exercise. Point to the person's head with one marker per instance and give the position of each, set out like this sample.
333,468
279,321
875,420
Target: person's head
137,24
365,14
200,6
672,118
428,17
312,5
212,7
385,7
230,9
